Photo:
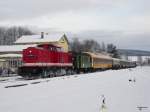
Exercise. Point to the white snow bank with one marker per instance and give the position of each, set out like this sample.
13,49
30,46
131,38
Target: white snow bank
81,93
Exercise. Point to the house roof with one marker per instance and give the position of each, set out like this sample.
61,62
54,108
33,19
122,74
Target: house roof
14,48
54,37
11,55
2,60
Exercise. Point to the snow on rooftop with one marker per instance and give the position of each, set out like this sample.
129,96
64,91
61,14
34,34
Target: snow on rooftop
80,93
99,55
53,37
10,55
14,48
1,60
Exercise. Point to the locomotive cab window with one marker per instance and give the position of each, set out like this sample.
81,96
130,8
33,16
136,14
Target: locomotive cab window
50,48
59,49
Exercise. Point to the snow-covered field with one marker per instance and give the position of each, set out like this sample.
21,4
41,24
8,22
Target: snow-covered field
124,90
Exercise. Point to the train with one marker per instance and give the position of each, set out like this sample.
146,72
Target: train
48,60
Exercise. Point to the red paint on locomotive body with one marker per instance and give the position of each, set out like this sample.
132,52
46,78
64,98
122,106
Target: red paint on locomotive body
46,55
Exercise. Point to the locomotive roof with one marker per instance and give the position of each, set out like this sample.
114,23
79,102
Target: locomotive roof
52,45
98,55
53,37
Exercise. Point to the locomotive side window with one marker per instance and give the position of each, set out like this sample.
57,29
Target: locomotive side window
39,45
59,49
50,48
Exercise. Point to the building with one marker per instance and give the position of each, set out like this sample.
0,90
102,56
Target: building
140,60
138,56
59,39
11,57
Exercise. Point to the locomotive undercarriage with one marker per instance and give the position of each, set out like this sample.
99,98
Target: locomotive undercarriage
44,72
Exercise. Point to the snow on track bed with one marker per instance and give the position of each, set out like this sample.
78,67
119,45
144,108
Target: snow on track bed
80,93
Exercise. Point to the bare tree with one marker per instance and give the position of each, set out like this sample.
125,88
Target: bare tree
9,35
103,47
84,46
112,49
76,45
91,46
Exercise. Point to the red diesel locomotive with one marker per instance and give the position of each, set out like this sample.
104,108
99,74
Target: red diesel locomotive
45,60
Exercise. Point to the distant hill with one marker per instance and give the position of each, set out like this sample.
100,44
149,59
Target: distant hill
130,52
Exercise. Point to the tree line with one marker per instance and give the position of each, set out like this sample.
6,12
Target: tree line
8,35
90,45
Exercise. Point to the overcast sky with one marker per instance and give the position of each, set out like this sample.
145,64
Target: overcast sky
125,23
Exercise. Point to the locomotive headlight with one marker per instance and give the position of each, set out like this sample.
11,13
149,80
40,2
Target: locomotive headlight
30,51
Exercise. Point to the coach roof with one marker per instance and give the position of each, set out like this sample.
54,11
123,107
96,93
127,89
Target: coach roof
98,55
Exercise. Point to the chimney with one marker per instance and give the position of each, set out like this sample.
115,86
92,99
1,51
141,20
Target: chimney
42,35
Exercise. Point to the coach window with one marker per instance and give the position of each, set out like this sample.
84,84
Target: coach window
97,60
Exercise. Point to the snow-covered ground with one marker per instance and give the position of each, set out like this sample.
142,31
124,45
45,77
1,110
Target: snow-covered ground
124,90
